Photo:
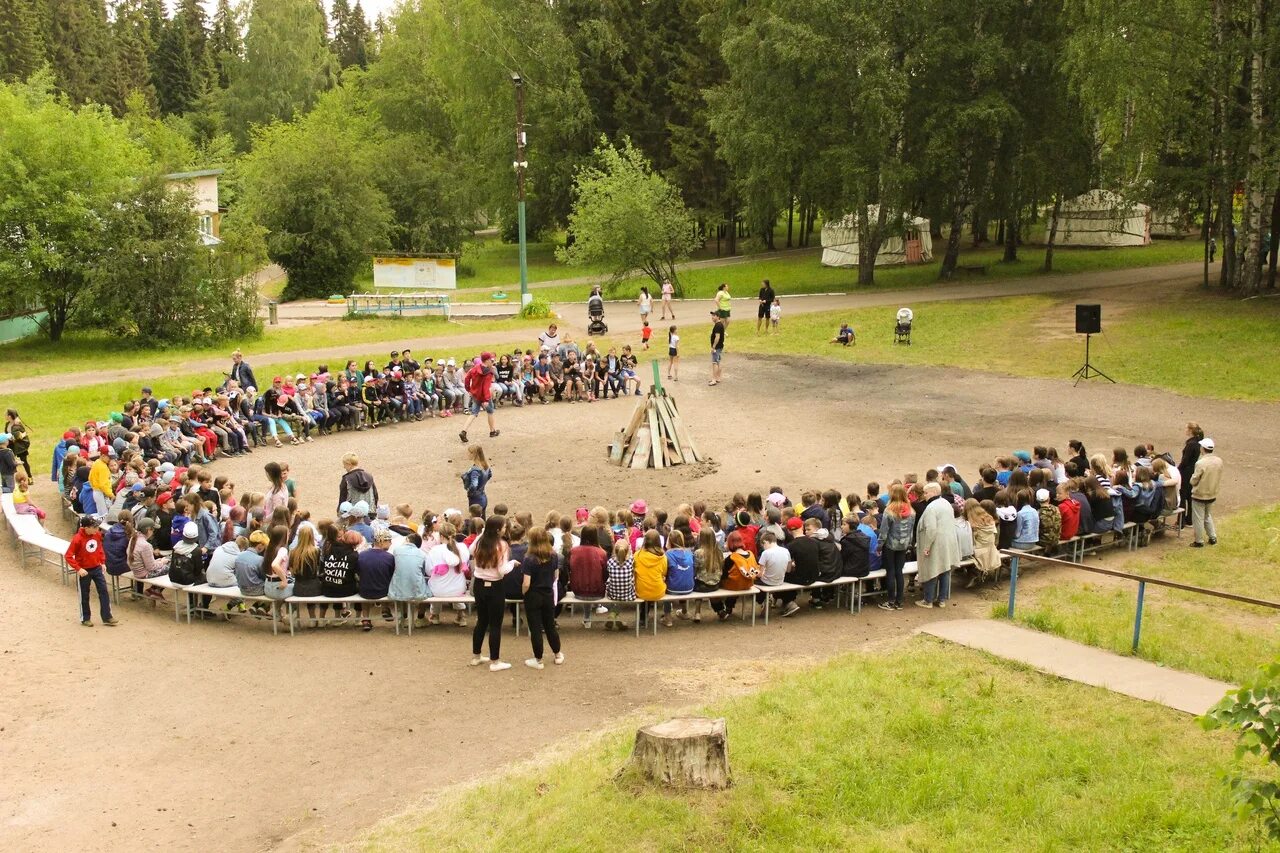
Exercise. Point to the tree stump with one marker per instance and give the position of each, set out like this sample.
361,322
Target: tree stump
684,752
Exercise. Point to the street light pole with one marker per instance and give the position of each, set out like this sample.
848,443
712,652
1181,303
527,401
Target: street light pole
521,164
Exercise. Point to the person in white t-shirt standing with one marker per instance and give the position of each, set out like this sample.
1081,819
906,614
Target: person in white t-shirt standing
673,355
668,291
550,339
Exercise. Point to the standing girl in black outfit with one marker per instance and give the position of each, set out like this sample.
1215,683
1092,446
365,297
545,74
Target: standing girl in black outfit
540,570
490,563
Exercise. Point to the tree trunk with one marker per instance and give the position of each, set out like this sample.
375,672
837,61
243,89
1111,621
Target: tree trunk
732,229
1053,232
981,227
1000,232
952,255
1250,275
685,752
57,320
791,215
1275,241
1011,238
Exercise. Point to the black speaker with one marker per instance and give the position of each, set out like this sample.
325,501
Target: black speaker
1088,319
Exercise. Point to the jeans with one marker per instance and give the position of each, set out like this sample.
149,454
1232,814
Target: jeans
101,504
938,589
490,603
540,613
892,563
98,579
1202,519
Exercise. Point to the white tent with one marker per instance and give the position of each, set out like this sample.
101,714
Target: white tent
840,242
1169,223
1102,218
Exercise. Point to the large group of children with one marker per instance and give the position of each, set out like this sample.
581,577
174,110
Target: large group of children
194,526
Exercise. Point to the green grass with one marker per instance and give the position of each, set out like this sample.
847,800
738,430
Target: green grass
85,350
929,747
1218,638
1198,343
803,272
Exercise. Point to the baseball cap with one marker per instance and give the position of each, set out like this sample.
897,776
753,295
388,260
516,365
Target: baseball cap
777,498
276,379
486,356
1042,495
164,498
146,523
344,509
794,523
360,508
1207,443
190,530
451,363
89,521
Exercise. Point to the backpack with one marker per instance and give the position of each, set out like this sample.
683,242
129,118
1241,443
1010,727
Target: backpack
85,497
186,569
855,553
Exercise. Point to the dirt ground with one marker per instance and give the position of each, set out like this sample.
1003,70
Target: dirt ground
152,735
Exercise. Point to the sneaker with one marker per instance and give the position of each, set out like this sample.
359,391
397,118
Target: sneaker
366,625
534,663
560,655
601,609
463,435
724,615
667,623
493,433
112,622
923,603
791,609
87,623
885,605
897,606
1197,544
1213,541
476,661
499,666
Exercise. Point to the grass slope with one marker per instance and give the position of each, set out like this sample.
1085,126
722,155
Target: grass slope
1232,340
930,747
1217,638
84,350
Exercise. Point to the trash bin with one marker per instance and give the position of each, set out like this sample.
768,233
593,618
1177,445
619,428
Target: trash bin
272,305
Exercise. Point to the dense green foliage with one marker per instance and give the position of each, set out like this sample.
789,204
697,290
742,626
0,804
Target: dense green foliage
626,217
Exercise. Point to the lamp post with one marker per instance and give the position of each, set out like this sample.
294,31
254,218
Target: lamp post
520,165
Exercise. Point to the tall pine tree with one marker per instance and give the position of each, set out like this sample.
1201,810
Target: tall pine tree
225,44
81,51
134,48
350,43
176,86
21,41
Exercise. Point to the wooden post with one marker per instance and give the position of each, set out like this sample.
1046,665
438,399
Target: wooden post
684,752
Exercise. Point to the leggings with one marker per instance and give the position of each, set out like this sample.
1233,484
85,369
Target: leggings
892,563
538,610
490,603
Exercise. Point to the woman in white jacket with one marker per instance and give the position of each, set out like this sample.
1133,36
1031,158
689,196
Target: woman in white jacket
937,549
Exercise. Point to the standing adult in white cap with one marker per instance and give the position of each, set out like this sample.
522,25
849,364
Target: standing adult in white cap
1205,482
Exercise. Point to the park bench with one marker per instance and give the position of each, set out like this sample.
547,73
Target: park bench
842,586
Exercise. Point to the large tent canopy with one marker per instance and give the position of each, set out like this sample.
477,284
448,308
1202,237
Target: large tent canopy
1103,218
909,242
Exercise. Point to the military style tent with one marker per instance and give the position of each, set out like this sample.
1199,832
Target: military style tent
909,244
1102,218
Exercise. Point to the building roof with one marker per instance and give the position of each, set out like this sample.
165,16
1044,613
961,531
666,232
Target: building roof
202,173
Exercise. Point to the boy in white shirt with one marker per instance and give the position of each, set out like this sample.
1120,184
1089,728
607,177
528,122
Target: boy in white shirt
774,560
775,313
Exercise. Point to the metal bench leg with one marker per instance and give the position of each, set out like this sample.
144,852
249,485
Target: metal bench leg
637,620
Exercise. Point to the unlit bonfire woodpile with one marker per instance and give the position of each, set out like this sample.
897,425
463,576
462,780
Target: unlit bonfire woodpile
655,437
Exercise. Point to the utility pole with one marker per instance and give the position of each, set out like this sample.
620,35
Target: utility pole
520,165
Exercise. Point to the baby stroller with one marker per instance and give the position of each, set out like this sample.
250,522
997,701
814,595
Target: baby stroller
595,314
902,330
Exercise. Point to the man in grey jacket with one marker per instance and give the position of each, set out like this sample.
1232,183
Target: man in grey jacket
937,549
1206,479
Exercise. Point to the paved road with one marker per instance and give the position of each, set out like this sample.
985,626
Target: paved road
623,317
1183,691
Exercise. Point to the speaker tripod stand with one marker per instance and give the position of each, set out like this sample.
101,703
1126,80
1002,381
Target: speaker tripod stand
1088,371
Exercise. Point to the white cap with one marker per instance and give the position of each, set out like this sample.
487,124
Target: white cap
451,363
1042,495
776,498
360,508
190,530
1206,443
